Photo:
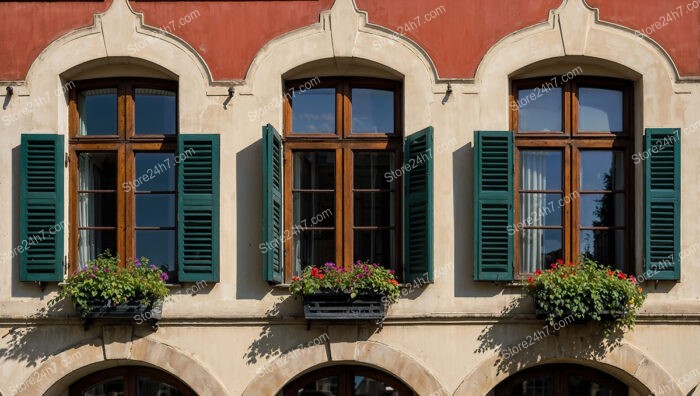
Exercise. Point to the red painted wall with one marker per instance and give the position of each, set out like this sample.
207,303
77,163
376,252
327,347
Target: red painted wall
228,34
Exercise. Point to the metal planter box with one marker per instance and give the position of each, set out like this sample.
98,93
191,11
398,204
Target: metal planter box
135,311
340,306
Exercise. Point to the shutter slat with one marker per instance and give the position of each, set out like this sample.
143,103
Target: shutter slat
493,205
41,207
273,208
418,207
198,208
662,204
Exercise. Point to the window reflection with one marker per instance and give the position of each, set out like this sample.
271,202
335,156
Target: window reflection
97,109
600,110
155,111
313,111
372,110
540,109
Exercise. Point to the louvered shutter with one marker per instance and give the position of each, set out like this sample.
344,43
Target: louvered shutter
662,177
273,210
418,206
41,226
198,208
493,205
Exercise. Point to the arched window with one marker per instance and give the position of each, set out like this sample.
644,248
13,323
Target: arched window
130,381
574,176
346,381
561,380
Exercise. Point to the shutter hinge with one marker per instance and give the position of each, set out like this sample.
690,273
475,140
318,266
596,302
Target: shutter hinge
66,160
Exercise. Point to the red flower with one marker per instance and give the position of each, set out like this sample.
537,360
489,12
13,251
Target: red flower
621,275
394,282
560,261
538,272
571,264
321,276
314,272
610,272
563,276
295,279
554,266
633,279
529,280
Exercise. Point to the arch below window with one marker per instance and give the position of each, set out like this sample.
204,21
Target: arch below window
560,380
130,381
346,380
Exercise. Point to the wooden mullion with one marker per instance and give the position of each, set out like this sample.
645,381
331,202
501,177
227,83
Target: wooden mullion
129,199
344,234
516,212
122,217
574,218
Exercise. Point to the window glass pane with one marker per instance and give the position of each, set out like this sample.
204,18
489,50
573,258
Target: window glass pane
539,248
602,210
599,110
313,209
155,111
113,387
540,109
313,111
97,210
314,170
537,209
366,386
580,386
151,387
93,242
372,110
313,247
158,246
97,171
602,170
604,246
540,170
377,246
155,210
540,386
98,111
154,172
323,387
370,169
374,208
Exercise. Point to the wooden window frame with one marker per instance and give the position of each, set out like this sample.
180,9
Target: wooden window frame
126,144
571,142
344,143
130,376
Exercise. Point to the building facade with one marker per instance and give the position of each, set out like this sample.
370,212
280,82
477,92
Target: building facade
235,143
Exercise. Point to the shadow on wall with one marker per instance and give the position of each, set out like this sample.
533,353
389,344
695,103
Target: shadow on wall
277,337
520,346
249,283
463,204
35,344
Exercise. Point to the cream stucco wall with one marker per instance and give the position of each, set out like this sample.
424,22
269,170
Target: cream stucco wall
447,334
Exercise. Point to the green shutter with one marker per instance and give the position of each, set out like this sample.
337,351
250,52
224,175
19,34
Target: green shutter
493,205
273,208
418,206
662,176
198,208
41,223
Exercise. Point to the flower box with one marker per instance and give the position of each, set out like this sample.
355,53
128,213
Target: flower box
341,306
605,316
136,311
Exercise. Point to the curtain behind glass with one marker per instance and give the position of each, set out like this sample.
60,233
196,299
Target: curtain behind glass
533,177
86,181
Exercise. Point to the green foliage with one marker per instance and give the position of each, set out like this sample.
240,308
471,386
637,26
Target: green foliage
360,277
588,291
104,282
